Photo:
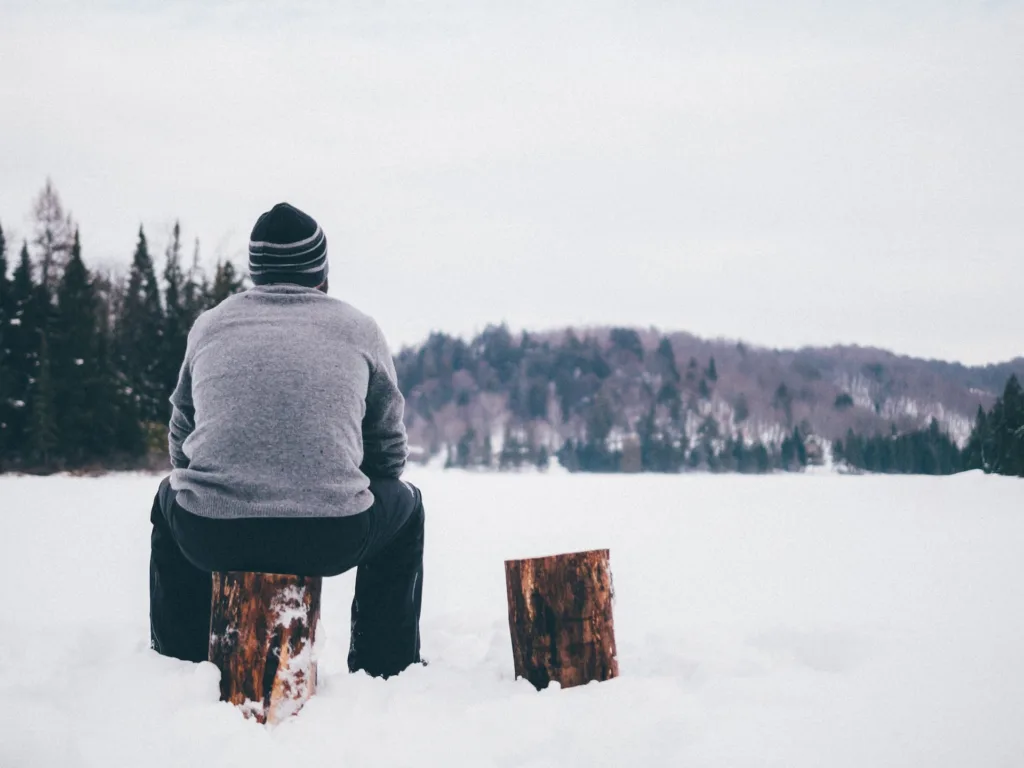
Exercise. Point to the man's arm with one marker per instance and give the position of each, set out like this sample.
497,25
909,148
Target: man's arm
385,446
183,416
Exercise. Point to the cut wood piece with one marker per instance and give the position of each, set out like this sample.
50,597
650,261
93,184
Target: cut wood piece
262,630
560,617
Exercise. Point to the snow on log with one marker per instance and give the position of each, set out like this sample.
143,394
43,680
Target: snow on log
560,617
262,630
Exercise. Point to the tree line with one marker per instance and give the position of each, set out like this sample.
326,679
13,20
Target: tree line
997,441
88,358
597,405
996,444
611,405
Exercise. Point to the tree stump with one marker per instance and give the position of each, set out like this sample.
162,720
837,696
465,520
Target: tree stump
262,629
560,617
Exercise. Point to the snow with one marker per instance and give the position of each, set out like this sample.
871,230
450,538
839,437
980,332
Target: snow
814,620
289,606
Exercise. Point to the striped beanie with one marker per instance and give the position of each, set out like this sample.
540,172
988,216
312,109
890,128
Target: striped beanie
287,246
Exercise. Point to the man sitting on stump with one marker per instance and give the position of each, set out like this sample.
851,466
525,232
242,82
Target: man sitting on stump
287,445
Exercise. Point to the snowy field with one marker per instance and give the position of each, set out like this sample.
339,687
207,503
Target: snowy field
774,621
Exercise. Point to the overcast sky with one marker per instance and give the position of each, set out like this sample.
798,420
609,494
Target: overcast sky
804,173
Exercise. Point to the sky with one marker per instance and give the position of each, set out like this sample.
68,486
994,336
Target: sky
802,173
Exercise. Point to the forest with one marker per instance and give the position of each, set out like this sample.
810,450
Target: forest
88,359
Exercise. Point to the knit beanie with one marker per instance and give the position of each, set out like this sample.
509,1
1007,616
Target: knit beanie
287,246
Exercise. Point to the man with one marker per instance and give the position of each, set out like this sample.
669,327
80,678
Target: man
287,444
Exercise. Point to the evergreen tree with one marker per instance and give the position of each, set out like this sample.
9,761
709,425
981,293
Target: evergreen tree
922,452
195,290
783,401
628,341
6,382
74,360
487,457
140,337
537,400
1007,427
116,431
464,449
666,358
543,459
22,344
997,440
176,316
226,282
43,440
979,445
5,283
762,461
712,373
793,452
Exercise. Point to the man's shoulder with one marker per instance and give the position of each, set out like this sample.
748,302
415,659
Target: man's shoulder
351,313
211,316
353,318
324,309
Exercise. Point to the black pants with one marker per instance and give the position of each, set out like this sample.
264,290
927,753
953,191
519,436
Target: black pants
385,542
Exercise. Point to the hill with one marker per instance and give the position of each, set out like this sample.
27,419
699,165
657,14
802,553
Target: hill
504,398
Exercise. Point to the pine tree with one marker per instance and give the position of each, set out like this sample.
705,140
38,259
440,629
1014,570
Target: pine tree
116,418
140,337
978,451
74,360
543,460
226,282
464,449
487,457
666,357
712,373
1007,424
195,289
628,341
22,344
44,439
997,440
800,447
176,316
6,382
783,401
762,461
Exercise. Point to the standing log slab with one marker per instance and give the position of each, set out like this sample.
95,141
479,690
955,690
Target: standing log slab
262,629
560,617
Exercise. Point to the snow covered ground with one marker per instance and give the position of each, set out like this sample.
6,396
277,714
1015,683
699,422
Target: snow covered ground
761,621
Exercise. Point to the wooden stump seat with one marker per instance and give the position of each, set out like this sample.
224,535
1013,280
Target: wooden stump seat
560,617
262,630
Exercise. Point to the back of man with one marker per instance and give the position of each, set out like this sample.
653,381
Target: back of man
287,445
268,416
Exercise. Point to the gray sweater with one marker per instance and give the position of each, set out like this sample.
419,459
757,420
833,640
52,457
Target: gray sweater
286,402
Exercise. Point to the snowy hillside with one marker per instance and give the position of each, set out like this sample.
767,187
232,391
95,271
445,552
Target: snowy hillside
671,393
761,621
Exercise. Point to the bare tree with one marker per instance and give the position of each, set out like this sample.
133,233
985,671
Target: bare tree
53,236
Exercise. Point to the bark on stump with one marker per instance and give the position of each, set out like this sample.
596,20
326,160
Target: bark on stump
560,617
262,629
